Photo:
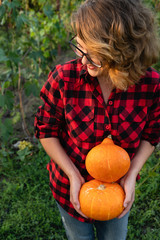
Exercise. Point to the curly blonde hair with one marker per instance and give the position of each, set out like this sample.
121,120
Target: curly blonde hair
120,32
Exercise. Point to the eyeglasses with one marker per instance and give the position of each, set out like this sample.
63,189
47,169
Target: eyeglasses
81,54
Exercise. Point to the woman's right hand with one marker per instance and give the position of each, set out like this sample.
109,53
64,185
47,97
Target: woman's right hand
56,152
76,181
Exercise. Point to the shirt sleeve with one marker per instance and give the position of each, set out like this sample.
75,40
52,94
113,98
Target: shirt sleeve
49,117
151,131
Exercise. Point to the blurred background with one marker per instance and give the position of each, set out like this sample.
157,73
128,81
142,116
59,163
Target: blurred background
34,37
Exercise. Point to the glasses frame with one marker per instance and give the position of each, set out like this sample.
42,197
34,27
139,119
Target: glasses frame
83,54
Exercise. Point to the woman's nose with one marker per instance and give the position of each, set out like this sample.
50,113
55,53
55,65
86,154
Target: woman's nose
84,60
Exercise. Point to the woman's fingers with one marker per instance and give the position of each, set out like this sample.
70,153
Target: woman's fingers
127,205
75,186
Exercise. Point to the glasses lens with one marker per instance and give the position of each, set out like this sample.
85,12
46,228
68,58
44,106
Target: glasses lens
77,52
92,62
80,53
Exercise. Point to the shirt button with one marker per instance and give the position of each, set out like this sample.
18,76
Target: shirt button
107,127
110,103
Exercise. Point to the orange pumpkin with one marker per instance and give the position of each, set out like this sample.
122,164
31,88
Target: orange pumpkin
101,201
107,162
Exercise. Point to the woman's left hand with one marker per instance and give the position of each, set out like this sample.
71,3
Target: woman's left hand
128,183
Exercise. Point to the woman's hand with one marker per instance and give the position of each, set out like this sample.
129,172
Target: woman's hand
76,182
128,183
56,152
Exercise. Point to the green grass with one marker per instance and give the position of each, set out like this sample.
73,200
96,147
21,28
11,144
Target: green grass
27,207
28,210
144,221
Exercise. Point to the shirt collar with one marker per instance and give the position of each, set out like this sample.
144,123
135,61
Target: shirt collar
93,81
83,70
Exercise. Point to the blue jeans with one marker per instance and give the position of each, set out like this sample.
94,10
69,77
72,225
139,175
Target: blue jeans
115,229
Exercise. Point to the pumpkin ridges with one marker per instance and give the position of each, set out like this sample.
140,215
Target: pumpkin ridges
90,196
93,204
117,199
93,158
115,190
100,204
109,168
107,162
108,214
115,168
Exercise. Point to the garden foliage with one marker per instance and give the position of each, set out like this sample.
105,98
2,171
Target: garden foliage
32,34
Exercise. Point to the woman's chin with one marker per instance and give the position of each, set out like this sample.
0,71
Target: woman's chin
93,71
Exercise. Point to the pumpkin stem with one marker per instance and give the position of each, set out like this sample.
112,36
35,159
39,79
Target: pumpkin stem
108,140
101,187
109,136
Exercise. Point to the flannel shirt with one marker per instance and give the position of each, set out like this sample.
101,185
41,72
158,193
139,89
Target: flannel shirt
75,112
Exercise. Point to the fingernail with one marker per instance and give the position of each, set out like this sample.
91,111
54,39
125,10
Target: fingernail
125,205
78,206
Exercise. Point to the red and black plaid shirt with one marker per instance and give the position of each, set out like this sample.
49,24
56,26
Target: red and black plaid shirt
74,111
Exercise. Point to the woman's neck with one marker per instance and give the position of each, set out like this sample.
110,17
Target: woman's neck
106,87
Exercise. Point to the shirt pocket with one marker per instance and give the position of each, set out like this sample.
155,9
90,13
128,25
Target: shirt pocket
80,122
131,123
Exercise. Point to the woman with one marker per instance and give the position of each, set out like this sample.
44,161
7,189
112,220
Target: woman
110,89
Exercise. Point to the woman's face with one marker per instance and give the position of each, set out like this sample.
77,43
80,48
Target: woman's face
92,70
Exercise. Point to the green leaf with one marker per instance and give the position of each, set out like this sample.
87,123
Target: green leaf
48,11
9,99
2,100
3,57
31,88
14,4
2,11
36,54
16,118
23,153
14,57
21,19
6,129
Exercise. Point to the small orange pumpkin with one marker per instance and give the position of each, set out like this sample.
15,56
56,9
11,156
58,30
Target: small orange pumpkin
101,201
107,162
